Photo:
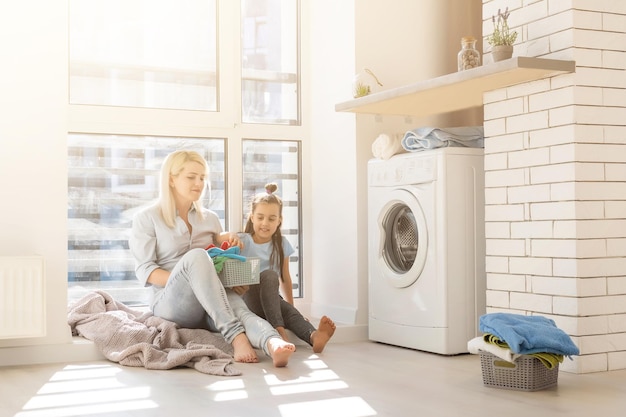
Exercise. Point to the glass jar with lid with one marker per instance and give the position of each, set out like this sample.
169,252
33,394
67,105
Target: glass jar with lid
468,57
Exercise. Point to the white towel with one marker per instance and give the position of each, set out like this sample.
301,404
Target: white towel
385,146
478,343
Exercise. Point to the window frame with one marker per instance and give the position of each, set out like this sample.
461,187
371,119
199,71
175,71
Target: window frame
296,273
224,123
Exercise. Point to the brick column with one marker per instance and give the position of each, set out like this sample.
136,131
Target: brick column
555,177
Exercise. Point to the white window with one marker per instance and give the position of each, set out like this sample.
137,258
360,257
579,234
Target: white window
151,76
269,62
110,177
144,53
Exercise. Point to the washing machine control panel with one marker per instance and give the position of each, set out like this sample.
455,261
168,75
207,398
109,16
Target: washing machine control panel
401,170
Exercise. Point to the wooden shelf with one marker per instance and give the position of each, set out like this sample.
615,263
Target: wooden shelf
456,91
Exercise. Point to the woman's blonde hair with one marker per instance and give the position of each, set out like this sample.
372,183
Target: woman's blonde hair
172,166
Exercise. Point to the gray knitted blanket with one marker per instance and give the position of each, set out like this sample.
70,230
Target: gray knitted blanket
135,338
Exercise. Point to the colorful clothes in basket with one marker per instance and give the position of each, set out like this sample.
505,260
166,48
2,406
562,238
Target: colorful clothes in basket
220,255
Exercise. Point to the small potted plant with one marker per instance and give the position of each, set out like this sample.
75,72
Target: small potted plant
502,39
360,83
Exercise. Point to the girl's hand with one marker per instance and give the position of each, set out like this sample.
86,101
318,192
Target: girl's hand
234,241
241,289
231,238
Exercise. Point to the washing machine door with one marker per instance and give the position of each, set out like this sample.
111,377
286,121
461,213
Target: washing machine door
404,239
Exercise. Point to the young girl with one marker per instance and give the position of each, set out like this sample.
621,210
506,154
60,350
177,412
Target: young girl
167,242
263,239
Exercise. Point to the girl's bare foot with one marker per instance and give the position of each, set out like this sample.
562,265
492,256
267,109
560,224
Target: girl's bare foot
280,351
322,335
283,333
244,352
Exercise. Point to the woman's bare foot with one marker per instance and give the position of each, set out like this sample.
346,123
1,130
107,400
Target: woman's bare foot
244,352
283,333
280,351
322,335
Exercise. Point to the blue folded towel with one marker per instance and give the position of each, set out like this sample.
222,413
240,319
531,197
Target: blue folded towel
528,334
424,138
232,252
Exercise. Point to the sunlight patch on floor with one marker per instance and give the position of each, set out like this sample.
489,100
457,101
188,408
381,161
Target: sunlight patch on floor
72,410
84,390
346,407
231,395
315,363
228,384
232,389
228,390
314,387
80,385
315,376
319,379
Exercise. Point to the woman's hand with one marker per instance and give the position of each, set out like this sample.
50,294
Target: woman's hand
241,289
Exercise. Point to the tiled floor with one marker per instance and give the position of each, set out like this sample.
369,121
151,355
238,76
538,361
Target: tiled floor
348,380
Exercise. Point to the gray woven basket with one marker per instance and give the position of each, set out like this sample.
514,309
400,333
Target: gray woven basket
235,273
526,374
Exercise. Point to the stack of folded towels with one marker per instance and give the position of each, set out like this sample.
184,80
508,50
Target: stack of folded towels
425,138
508,336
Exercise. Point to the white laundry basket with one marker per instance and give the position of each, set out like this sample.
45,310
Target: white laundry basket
236,273
526,374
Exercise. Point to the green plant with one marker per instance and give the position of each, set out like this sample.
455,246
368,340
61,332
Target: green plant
361,90
501,35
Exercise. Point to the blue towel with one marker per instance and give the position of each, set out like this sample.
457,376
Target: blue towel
424,138
232,252
528,334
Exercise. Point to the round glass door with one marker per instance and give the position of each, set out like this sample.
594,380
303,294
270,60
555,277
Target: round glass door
401,242
404,244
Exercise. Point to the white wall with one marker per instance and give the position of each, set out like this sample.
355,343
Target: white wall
33,179
401,41
335,281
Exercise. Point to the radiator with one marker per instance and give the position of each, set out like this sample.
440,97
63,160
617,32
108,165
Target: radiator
22,297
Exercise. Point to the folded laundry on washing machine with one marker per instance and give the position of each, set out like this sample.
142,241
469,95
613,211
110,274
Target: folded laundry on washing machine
385,146
424,138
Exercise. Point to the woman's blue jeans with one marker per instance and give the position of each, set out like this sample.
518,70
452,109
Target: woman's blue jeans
195,298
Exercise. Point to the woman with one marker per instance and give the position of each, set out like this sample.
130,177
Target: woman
167,242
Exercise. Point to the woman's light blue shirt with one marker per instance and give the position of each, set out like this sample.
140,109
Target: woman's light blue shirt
154,244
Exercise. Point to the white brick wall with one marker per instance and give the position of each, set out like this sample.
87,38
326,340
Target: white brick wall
555,177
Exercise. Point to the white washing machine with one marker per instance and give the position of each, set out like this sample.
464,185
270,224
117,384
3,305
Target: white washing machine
427,249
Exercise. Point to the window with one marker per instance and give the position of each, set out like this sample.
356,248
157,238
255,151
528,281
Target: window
144,53
269,62
110,177
151,76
